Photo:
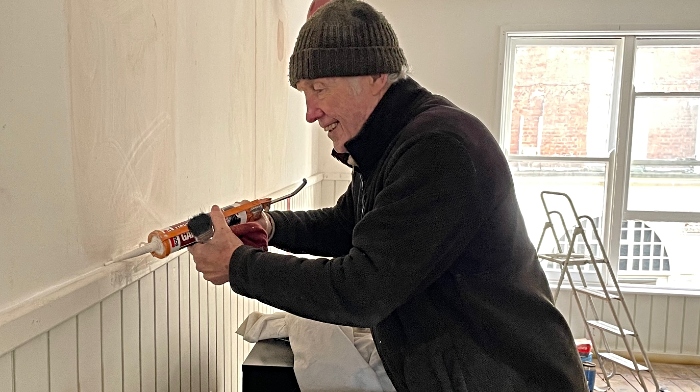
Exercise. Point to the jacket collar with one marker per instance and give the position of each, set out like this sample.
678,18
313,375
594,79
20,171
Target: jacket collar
393,112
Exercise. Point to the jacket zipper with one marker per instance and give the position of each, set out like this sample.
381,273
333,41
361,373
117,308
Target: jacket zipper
362,197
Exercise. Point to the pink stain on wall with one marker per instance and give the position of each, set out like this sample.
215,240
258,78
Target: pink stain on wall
315,5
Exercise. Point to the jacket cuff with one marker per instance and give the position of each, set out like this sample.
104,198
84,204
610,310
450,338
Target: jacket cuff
272,225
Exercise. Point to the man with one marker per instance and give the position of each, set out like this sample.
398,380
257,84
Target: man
427,246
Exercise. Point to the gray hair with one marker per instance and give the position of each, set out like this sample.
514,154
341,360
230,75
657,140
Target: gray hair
391,79
401,75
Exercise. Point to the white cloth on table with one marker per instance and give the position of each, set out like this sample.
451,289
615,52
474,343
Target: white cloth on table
327,357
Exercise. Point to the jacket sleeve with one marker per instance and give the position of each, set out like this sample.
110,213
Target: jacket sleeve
324,232
422,219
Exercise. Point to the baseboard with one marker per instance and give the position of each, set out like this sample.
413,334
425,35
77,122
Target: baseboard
677,359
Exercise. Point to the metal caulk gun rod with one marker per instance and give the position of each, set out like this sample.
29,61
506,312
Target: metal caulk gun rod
294,192
156,245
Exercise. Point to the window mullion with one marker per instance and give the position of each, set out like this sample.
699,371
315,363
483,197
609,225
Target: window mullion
623,151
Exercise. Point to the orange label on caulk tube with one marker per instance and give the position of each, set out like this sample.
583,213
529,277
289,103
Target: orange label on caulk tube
178,236
173,238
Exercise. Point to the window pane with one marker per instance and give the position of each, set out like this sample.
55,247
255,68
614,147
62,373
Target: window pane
561,100
667,68
665,172
583,182
669,256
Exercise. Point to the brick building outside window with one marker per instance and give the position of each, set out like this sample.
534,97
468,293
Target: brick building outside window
615,123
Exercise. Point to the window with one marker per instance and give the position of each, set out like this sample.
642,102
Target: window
665,171
613,120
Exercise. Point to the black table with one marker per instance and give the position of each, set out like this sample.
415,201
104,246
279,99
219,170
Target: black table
270,367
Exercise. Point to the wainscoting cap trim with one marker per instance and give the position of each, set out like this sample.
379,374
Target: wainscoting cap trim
48,309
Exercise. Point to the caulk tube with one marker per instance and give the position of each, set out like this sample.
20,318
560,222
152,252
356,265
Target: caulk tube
172,238
178,236
161,243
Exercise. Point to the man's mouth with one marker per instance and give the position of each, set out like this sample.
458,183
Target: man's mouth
330,127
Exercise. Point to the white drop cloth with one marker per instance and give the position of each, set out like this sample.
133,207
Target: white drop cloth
327,357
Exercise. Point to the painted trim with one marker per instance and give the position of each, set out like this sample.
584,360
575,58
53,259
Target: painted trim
337,176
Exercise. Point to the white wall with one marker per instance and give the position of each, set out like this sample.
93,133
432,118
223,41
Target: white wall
453,46
117,119
37,189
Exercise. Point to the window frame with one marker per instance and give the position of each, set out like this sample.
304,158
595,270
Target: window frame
623,98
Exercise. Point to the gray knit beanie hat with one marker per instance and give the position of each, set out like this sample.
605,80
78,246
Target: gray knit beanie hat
345,38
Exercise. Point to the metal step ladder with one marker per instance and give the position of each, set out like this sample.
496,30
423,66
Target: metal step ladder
576,251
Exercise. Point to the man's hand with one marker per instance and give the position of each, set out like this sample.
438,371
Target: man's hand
212,258
265,221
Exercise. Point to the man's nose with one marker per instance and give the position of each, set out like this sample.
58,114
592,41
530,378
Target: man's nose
313,113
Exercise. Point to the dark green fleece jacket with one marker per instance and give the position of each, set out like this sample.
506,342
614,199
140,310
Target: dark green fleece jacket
429,249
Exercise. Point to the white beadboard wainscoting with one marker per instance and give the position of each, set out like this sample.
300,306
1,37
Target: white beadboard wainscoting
163,328
667,321
158,327
168,331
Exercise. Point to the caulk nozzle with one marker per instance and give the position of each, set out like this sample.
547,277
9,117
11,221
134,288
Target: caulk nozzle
141,250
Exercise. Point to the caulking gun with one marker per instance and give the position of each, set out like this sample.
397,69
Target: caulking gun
161,243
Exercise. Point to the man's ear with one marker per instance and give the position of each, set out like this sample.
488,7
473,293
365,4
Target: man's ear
379,82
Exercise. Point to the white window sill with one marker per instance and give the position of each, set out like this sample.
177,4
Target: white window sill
644,289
